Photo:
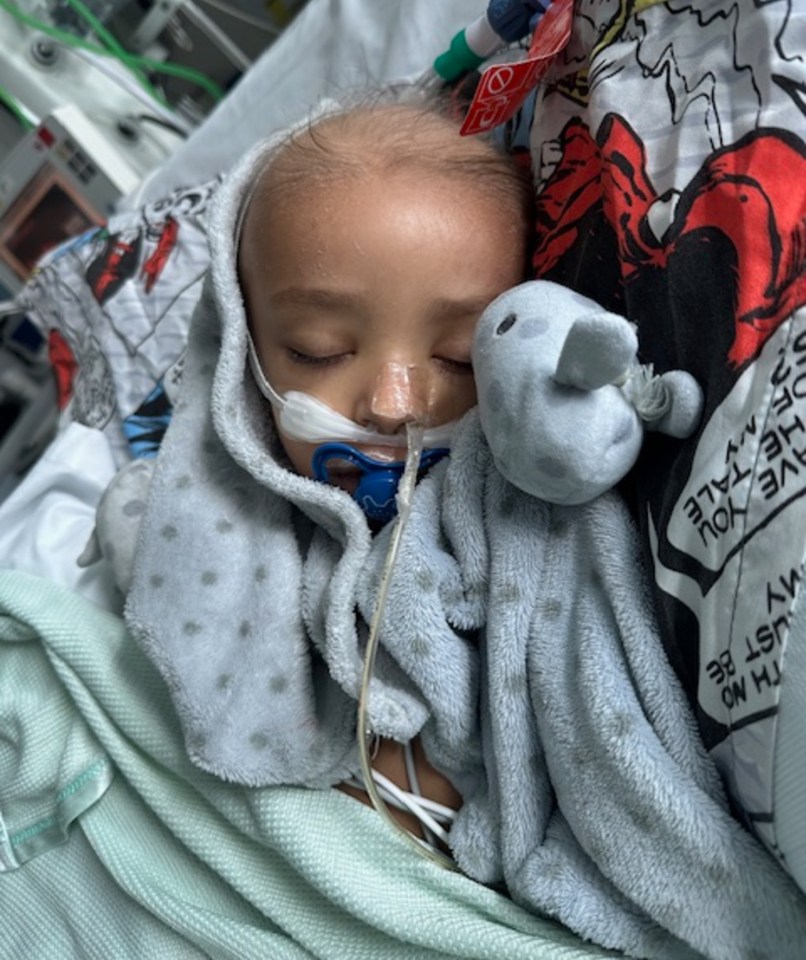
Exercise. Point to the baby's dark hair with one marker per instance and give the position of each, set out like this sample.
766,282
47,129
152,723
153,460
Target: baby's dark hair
391,133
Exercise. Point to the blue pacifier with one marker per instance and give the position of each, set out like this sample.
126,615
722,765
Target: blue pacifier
377,487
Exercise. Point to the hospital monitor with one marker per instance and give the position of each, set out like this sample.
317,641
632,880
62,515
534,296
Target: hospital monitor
62,178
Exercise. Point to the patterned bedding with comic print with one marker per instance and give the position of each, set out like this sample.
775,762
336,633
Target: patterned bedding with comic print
668,149
116,304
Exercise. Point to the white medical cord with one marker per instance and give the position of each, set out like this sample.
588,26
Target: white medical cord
414,436
244,17
123,78
416,791
434,817
215,34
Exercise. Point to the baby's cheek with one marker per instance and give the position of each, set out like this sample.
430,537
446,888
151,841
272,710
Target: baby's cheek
455,400
299,453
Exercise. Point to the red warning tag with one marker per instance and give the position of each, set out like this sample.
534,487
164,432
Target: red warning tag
504,86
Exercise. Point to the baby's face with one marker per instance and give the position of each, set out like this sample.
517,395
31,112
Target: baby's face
365,294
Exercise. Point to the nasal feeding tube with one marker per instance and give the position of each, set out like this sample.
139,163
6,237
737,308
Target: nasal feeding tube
414,439
402,393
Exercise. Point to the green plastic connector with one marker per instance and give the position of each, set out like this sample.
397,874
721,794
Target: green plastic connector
457,59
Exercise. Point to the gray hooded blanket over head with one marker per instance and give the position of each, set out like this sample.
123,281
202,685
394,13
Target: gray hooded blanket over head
518,641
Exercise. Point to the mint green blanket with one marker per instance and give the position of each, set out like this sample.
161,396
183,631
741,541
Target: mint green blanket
112,844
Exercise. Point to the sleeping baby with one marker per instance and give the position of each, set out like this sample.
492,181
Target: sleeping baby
525,718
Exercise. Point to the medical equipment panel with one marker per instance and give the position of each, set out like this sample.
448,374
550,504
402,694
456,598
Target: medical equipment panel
61,179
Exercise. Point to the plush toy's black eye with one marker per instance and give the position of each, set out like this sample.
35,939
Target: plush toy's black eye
507,323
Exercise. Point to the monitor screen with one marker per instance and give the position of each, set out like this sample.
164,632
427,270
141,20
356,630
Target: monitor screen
48,211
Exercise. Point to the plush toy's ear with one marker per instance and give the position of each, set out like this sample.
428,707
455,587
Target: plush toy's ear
599,349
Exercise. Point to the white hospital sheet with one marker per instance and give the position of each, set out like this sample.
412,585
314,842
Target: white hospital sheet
49,517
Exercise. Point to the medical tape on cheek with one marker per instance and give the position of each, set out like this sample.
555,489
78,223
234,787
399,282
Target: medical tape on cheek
303,417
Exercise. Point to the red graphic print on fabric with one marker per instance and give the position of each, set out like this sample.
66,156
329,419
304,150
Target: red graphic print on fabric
744,192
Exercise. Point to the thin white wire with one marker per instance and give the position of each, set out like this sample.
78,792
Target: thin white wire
411,769
414,784
215,34
126,82
237,14
408,802
400,799
441,813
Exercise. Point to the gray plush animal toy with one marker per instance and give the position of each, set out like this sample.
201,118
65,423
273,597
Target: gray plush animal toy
563,400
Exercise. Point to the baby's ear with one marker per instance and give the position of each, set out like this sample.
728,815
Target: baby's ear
599,349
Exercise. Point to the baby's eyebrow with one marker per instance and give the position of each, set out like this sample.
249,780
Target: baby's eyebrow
440,308
317,297
450,308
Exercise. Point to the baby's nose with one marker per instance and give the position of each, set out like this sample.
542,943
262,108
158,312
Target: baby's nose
402,394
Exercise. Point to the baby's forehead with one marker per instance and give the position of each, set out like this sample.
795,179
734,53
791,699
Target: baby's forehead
383,138
390,142
379,127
